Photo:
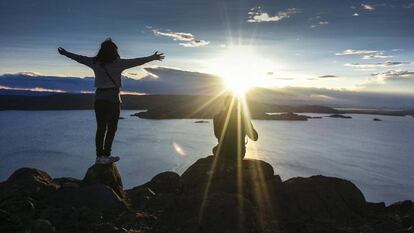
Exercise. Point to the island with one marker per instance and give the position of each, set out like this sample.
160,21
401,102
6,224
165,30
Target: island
201,121
340,116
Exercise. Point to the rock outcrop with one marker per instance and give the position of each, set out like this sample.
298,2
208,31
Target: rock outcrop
210,196
107,175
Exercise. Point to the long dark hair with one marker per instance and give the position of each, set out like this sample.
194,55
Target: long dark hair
108,52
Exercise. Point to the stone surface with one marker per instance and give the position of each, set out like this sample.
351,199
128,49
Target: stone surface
206,169
165,182
42,226
107,174
322,204
27,182
210,196
8,223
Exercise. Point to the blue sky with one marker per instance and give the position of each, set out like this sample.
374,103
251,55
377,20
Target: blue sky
335,44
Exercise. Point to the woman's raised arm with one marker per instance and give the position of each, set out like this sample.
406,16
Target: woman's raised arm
88,61
129,63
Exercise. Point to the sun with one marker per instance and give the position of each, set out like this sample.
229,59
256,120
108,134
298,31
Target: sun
241,68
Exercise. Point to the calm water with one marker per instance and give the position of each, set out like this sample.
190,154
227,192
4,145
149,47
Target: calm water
377,156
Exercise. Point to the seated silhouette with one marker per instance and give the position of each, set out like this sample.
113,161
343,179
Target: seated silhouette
231,126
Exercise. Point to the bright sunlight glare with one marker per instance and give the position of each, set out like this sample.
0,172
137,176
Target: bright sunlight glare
241,68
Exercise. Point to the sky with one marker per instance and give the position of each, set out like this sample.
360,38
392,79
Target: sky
341,45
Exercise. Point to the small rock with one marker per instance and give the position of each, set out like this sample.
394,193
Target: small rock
42,226
407,221
61,217
107,228
8,223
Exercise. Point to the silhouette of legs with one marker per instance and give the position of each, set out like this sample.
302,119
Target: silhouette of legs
112,126
107,115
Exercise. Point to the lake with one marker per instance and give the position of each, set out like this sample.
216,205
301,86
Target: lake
377,156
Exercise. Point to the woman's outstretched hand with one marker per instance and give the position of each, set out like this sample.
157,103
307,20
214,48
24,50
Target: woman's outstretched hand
61,50
158,56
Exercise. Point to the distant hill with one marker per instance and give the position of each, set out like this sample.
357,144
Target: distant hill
170,106
183,103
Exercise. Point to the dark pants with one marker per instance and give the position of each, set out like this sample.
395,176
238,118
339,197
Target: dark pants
107,115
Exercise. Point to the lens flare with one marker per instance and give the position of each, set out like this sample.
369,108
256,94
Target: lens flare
178,149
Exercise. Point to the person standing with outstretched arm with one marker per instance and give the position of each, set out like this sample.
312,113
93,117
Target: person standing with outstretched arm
107,67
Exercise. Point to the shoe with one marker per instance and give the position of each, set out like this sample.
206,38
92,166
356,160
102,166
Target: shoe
106,160
112,159
100,160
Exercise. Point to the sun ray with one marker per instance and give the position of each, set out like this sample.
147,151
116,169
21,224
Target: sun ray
216,158
242,68
206,104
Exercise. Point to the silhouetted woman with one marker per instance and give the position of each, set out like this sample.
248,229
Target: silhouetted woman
108,66
231,126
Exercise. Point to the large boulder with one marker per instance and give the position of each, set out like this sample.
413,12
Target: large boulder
106,174
234,213
24,191
95,196
220,196
165,182
225,176
156,194
253,179
27,182
403,213
321,199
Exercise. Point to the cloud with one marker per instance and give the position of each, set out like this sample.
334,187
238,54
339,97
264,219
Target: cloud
356,52
377,65
31,81
195,43
389,82
368,7
366,54
409,6
366,96
328,76
158,80
188,39
256,15
33,89
394,74
355,14
376,55
321,23
167,80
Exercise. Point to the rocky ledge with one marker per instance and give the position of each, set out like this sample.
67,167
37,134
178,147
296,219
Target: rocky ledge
210,196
